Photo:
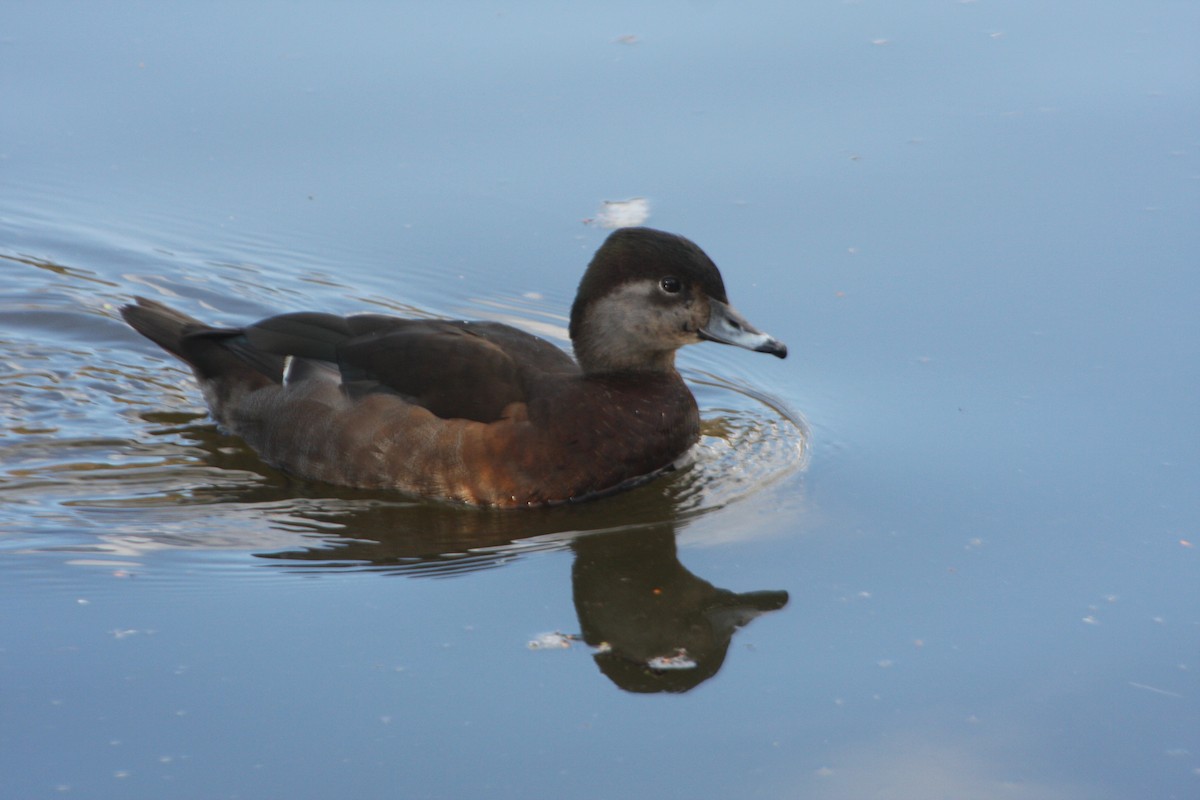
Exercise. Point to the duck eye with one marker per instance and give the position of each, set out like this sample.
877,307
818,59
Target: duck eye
671,285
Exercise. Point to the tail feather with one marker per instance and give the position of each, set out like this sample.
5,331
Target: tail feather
161,324
218,354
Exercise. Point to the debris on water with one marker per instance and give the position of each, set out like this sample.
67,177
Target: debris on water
622,213
677,660
552,641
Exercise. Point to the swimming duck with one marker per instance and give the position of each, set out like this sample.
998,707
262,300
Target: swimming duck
475,412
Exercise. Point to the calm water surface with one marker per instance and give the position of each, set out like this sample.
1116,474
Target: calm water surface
948,549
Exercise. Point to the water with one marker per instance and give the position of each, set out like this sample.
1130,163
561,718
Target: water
947,549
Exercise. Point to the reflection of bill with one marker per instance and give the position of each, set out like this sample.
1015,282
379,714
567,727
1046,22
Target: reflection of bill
656,626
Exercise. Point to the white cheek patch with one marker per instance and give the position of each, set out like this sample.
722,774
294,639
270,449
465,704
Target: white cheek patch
635,327
628,305
287,369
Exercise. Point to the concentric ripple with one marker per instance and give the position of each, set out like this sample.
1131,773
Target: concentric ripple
107,454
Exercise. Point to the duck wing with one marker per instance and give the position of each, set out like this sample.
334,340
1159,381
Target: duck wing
457,370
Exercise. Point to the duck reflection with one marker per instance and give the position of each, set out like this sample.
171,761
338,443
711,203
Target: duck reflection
655,626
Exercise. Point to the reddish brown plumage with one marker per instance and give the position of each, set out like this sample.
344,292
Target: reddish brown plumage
479,413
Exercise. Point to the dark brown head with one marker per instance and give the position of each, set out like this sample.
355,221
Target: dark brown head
646,294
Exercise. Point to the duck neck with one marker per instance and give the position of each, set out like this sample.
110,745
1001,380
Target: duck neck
598,358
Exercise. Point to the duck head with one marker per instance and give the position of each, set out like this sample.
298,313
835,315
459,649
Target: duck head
647,293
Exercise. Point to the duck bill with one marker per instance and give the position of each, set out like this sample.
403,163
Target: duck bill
727,326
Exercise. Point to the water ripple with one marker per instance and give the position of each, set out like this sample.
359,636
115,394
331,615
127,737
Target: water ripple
107,452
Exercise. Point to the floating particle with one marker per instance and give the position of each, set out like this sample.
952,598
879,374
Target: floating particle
623,213
551,641
677,660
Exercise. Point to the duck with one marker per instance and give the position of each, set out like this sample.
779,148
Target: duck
475,412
